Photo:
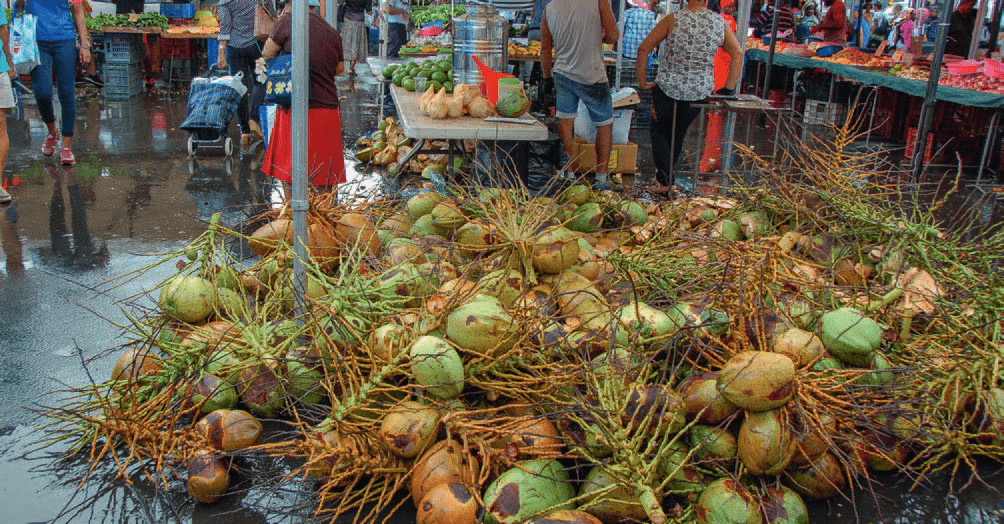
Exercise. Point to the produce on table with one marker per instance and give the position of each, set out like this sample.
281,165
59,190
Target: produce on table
665,358
102,21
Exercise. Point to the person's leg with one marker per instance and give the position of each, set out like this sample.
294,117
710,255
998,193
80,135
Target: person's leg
601,112
686,113
41,86
566,109
396,38
64,64
6,103
660,132
237,59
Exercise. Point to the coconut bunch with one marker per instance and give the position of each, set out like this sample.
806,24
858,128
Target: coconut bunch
465,100
387,145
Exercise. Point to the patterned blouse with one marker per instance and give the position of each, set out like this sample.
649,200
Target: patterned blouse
237,22
687,55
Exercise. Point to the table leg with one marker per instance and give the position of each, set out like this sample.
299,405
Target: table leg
991,138
419,144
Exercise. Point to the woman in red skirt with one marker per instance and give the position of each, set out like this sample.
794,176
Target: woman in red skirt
325,159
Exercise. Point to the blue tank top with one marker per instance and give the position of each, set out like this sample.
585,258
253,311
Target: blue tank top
55,20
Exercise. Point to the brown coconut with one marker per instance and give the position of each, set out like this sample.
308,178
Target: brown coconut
757,380
823,478
444,462
356,229
801,346
765,444
266,238
699,392
208,477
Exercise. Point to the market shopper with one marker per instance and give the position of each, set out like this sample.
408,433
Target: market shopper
807,18
398,14
325,160
355,34
765,20
127,7
689,39
833,27
576,30
239,49
638,23
960,29
7,74
63,42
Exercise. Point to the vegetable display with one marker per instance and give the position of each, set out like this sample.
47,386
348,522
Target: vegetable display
101,21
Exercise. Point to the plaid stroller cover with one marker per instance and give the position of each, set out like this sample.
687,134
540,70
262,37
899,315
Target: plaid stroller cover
212,103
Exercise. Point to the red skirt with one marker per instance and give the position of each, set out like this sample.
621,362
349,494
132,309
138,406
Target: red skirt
325,158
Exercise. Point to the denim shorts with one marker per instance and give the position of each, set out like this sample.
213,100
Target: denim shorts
595,96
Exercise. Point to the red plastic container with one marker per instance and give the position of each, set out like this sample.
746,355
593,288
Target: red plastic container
964,67
993,68
490,87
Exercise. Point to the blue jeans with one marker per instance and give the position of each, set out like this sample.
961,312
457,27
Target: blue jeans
59,56
596,97
397,36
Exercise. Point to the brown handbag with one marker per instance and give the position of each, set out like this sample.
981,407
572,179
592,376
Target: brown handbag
264,21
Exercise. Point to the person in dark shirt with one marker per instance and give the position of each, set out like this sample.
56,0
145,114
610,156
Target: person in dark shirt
960,29
834,24
125,7
763,21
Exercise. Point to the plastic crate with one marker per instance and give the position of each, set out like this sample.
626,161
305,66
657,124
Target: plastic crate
175,48
123,81
177,10
823,113
123,49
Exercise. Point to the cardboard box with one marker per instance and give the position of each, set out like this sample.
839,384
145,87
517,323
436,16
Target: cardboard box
623,157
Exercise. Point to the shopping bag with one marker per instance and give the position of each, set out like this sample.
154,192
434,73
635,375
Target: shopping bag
212,102
264,20
23,47
279,85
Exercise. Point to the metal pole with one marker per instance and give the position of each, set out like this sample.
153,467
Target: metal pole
331,12
995,25
300,204
620,49
742,30
770,54
974,42
927,110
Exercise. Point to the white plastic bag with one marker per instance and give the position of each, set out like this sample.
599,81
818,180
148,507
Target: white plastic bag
23,47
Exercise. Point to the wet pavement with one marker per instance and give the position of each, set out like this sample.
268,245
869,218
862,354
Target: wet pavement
134,193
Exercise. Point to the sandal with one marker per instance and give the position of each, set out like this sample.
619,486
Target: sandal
660,189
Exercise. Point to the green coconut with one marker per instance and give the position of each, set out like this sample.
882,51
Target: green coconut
765,442
483,325
589,437
211,393
609,501
757,380
823,478
725,501
262,390
644,322
556,250
801,346
408,428
682,477
303,379
437,366
402,250
712,443
424,226
587,218
703,400
727,229
755,223
408,280
879,372
512,103
230,303
781,505
630,213
504,284
332,334
400,223
188,298
654,409
388,341
526,491
576,195
447,216
828,363
423,203
850,336
474,238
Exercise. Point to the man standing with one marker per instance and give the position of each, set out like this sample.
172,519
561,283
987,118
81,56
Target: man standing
834,24
398,14
576,30
639,22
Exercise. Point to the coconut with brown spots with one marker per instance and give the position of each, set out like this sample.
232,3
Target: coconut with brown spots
208,477
765,444
448,503
444,462
781,505
566,516
757,380
823,478
725,501
526,490
703,400
409,428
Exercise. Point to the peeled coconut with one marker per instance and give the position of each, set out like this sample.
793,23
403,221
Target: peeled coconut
725,501
555,250
437,366
850,336
482,324
208,477
527,490
188,298
757,380
612,505
444,462
480,107
438,109
450,503
408,428
765,443
230,429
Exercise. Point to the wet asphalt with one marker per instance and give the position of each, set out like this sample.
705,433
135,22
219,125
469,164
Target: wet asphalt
74,234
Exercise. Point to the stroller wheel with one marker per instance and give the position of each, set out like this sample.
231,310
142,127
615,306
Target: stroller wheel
228,146
191,146
228,166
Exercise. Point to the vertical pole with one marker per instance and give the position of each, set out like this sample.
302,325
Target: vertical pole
995,25
927,110
974,42
331,12
620,47
299,204
770,54
742,30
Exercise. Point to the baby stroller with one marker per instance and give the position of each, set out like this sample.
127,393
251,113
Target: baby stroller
212,103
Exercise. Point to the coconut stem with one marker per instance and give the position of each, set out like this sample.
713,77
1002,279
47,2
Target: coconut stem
886,299
652,507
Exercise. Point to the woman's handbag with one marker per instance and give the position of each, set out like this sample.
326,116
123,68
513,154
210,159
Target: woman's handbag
279,84
23,47
264,19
